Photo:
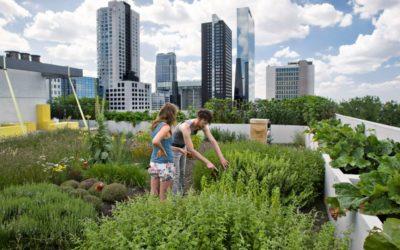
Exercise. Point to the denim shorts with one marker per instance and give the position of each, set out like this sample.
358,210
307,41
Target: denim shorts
164,171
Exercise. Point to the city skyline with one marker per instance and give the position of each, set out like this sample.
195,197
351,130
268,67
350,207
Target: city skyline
353,44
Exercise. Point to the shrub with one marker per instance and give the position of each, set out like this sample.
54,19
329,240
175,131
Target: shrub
96,189
114,192
297,111
23,158
141,147
94,200
226,135
255,169
88,183
40,216
70,183
207,221
79,192
130,174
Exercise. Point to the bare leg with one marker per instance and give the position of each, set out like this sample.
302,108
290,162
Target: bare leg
164,187
155,186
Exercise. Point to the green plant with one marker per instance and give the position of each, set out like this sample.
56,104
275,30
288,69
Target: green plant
64,107
388,238
94,200
133,117
130,174
40,216
70,183
96,189
372,109
88,183
351,149
100,144
255,169
23,159
377,192
226,135
207,221
141,147
114,192
79,192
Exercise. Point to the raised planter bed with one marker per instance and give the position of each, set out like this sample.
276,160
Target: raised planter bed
358,224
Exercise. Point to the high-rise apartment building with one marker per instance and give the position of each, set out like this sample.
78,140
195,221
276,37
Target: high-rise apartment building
290,81
118,44
245,74
216,60
118,57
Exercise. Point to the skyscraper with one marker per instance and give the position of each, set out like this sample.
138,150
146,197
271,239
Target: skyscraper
244,77
165,70
216,60
290,81
118,55
118,44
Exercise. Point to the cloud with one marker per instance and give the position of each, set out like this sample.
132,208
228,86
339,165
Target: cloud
343,87
9,12
368,8
286,53
370,51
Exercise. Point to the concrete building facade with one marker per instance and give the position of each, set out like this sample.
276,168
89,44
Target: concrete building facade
290,81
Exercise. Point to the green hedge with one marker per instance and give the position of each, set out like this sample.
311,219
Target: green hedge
40,216
371,108
208,221
298,111
255,169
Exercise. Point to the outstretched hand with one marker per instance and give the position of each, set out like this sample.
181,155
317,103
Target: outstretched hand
224,162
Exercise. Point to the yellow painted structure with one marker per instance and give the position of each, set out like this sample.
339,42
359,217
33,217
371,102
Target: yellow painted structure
43,122
8,130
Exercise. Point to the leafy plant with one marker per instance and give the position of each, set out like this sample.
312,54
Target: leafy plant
226,135
40,216
351,149
100,144
207,221
130,174
377,192
255,169
388,238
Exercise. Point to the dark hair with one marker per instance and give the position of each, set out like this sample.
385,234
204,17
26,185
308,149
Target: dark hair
167,114
205,114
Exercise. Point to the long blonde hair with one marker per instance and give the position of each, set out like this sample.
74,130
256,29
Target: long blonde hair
167,114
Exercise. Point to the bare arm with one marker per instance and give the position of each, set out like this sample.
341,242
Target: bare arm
190,148
215,145
163,133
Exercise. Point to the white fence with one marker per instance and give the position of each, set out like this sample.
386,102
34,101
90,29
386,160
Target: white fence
382,131
280,133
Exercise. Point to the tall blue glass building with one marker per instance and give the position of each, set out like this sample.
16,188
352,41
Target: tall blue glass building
165,70
85,86
245,74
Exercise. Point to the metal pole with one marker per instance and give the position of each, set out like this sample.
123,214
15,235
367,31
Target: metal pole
77,100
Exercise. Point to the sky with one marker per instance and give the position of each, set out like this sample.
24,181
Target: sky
354,45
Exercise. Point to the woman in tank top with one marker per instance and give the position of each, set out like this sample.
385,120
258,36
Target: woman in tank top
161,167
